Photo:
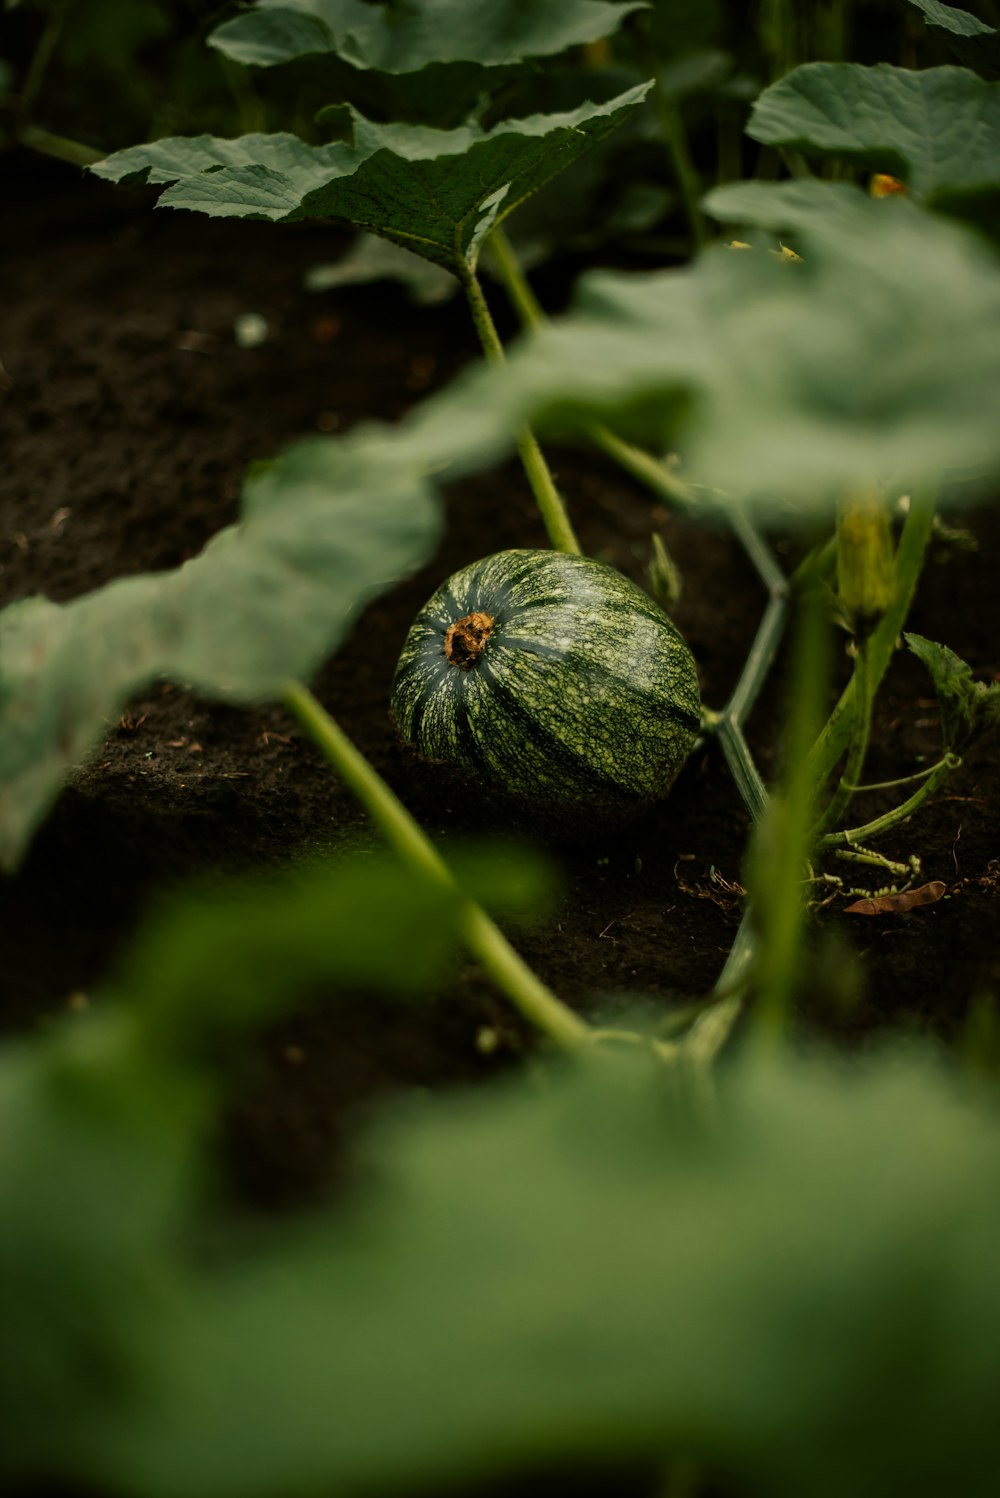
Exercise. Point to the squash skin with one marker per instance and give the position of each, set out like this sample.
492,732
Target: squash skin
584,694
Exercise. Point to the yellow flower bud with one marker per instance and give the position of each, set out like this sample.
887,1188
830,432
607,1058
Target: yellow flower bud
866,574
884,186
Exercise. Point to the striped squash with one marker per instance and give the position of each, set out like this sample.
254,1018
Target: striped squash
550,677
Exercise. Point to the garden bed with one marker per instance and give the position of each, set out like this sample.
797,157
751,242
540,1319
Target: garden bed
132,416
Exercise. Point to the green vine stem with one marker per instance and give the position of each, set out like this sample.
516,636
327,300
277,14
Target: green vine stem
875,828
782,844
671,122
778,29
59,147
39,65
728,724
772,623
656,476
641,465
858,745
481,935
675,136
736,752
551,508
510,273
33,136
891,785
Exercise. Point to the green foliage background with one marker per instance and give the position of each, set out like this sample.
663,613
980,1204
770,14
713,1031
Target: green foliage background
784,1270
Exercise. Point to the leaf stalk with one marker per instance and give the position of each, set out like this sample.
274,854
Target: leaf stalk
481,935
550,505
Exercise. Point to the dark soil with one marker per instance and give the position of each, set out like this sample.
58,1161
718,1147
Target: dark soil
131,419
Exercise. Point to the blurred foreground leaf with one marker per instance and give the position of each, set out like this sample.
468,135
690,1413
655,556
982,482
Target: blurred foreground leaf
800,204
325,528
217,961
802,1295
104,1161
877,359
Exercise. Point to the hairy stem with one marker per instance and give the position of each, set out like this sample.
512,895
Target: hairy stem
550,506
510,273
481,935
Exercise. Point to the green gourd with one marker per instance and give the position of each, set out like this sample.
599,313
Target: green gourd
551,678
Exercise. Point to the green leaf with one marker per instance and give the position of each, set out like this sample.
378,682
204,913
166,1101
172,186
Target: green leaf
180,157
798,205
875,359
398,38
214,961
439,193
973,42
104,1121
252,176
96,1167
436,192
803,1297
218,960
968,708
938,130
325,528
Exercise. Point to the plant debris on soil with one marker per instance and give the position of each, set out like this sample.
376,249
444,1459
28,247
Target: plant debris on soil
130,410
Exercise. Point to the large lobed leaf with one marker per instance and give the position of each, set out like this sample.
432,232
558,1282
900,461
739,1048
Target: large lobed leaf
178,158
251,176
876,358
974,43
405,37
324,528
938,130
441,198
437,192
801,1295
